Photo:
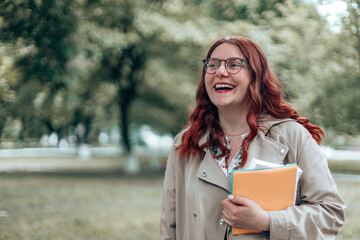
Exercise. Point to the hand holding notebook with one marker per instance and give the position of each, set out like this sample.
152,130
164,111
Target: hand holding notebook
273,188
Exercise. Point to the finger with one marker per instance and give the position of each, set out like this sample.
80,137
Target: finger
226,217
226,212
227,221
240,200
226,203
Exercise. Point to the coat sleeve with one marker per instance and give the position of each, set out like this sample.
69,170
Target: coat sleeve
319,213
168,213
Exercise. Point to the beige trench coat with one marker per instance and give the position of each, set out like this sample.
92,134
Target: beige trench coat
194,189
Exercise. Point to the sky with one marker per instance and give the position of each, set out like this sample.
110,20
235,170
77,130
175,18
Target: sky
333,11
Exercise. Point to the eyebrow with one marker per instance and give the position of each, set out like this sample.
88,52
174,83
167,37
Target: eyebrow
226,58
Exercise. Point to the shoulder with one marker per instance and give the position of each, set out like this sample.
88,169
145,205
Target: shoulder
175,159
290,128
285,130
296,138
178,137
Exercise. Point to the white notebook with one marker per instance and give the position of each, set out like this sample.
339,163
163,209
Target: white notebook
257,163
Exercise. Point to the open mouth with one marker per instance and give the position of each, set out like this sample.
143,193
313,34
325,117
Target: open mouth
223,87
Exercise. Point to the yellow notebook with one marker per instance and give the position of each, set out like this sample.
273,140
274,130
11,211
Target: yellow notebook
272,188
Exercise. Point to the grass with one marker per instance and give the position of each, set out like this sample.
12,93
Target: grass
345,166
80,207
349,187
106,205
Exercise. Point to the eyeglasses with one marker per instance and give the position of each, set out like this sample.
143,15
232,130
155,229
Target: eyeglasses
232,65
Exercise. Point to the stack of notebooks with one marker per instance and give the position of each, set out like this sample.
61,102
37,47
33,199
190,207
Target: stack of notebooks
270,185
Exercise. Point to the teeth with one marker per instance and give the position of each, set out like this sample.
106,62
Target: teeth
223,86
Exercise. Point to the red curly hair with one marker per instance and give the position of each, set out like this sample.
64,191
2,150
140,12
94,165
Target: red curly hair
265,95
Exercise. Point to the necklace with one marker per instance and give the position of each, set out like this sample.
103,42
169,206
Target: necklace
236,135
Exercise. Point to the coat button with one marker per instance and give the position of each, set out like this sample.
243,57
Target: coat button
282,151
194,214
204,174
222,222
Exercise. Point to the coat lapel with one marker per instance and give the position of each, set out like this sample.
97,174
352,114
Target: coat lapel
261,147
266,149
209,171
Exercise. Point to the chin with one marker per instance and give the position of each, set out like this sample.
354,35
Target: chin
222,105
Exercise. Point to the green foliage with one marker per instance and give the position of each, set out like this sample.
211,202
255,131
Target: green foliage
102,63
43,29
44,26
336,105
251,11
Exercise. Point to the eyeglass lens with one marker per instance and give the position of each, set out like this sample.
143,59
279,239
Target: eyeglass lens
233,65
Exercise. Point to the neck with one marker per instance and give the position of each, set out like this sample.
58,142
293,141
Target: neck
233,122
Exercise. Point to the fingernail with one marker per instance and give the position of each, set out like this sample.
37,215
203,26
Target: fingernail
230,196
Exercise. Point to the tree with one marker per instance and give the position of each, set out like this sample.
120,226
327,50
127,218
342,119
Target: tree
44,29
351,26
6,95
122,59
336,106
97,63
138,39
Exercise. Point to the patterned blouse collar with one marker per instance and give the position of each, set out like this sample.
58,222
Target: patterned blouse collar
235,162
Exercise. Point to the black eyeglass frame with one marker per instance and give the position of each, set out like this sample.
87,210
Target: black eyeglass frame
206,61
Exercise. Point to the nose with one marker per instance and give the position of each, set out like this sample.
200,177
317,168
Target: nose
222,71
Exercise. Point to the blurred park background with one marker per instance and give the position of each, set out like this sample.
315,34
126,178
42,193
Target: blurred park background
93,91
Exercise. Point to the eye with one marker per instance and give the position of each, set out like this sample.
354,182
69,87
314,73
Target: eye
212,64
234,64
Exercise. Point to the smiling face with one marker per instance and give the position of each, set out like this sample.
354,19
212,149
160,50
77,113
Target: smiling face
228,91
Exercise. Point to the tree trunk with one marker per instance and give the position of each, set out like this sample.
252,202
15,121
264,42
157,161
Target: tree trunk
127,75
132,164
124,125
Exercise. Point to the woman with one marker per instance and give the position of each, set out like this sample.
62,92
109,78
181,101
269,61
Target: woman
240,115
